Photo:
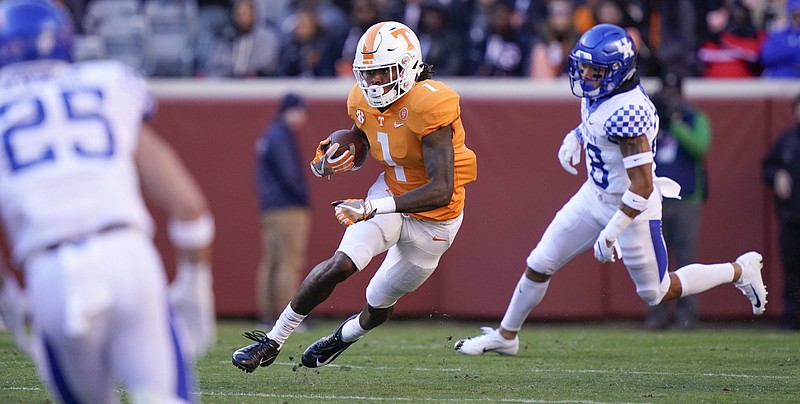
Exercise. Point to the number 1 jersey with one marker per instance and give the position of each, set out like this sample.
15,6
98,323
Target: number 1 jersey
395,139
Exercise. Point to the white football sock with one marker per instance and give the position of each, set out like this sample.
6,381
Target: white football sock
285,325
527,295
697,278
352,331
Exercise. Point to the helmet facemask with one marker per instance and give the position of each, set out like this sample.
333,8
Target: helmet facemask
602,82
397,81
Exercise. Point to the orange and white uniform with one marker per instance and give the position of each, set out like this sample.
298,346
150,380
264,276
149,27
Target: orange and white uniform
415,241
395,139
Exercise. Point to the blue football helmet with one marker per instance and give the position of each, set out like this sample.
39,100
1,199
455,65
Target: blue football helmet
610,50
33,29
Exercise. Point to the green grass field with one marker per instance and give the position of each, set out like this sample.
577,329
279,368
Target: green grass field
413,361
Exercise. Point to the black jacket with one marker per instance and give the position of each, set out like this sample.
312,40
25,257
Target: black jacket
785,153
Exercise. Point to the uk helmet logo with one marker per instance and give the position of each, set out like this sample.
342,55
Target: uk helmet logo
625,47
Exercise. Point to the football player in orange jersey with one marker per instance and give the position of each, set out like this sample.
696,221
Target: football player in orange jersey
414,209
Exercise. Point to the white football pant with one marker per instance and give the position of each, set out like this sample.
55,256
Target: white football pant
415,247
577,225
101,312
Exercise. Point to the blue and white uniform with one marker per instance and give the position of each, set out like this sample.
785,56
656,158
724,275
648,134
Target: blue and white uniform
74,216
578,224
602,71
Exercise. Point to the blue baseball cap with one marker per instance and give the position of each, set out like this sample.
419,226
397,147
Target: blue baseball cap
292,100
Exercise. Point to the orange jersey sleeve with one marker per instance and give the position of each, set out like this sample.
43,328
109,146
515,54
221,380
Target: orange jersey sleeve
395,137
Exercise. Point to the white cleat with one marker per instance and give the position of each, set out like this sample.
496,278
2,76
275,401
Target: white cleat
750,283
490,341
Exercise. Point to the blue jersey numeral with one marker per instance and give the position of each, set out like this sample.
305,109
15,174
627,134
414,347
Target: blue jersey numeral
108,149
37,119
598,172
39,116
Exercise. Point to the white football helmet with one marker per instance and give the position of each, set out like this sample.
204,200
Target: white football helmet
392,46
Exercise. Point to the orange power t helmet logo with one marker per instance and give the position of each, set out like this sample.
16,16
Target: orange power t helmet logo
404,33
369,48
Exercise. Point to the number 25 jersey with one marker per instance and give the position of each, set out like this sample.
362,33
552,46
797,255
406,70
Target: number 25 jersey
70,133
395,140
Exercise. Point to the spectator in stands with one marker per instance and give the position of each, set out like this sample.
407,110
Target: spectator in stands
409,12
780,54
459,15
683,141
116,30
246,49
363,14
285,216
625,13
501,51
528,14
478,19
734,44
628,15
213,17
171,37
309,51
550,55
441,46
273,12
769,14
675,43
781,169
328,14
583,17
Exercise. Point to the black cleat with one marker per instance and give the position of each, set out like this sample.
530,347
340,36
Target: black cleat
262,353
326,349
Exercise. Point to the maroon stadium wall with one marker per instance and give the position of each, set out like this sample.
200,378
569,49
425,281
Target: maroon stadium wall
515,129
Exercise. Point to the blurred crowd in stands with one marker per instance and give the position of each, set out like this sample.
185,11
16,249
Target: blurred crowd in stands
486,38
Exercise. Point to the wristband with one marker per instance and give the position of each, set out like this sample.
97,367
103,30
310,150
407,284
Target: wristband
638,159
618,223
578,134
383,205
191,234
635,201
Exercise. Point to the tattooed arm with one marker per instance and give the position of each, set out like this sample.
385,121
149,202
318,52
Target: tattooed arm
641,176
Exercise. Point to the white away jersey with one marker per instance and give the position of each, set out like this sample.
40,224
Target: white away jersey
69,133
628,114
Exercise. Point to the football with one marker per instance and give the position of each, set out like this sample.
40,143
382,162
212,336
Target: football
349,140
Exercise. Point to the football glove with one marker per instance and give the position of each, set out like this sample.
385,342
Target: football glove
192,297
604,253
324,164
352,211
569,154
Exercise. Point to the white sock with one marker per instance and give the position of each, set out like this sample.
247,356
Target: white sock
697,278
527,295
352,331
285,325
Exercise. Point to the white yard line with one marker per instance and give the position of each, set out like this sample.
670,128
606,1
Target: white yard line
539,370
414,399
